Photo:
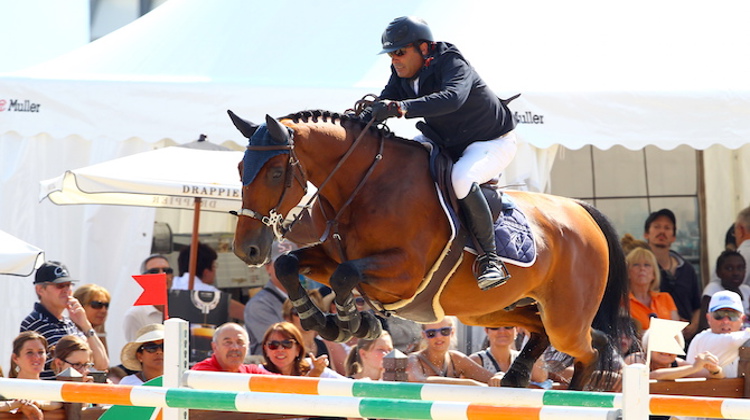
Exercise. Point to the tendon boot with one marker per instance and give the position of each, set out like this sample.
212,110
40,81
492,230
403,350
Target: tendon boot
490,270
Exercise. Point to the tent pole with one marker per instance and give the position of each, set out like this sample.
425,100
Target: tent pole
194,242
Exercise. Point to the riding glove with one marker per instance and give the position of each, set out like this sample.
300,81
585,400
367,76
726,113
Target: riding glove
383,110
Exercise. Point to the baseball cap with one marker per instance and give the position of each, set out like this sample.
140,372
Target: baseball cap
663,212
52,272
726,300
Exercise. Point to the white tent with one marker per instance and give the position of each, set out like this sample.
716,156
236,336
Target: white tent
633,74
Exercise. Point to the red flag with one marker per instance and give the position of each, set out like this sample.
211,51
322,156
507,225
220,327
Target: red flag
154,289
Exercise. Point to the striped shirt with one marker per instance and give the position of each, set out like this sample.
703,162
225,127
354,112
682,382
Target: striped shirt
53,329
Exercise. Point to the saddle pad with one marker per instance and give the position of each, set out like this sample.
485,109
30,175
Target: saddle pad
513,238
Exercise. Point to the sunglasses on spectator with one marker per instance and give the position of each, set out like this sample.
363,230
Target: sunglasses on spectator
159,270
98,305
497,328
79,366
432,333
151,347
724,313
399,52
275,344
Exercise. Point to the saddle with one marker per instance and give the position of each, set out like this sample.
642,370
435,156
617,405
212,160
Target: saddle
513,237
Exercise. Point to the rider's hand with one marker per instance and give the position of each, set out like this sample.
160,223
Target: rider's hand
382,110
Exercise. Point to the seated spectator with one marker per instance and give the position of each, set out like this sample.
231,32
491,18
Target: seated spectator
72,351
205,276
501,353
265,307
229,345
724,336
646,301
365,360
144,355
53,286
669,366
285,354
730,270
137,317
630,337
27,362
95,301
438,363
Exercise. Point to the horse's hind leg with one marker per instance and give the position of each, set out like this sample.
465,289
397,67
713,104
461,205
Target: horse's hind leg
519,374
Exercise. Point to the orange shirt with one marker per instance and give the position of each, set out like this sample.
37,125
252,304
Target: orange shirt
662,305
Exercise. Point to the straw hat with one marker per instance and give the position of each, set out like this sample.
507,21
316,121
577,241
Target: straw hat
150,332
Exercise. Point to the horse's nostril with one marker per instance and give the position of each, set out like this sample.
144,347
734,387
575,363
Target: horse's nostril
253,251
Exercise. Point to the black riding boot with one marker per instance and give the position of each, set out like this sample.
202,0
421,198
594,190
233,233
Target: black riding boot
492,271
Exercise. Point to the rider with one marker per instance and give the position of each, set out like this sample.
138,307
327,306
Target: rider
433,80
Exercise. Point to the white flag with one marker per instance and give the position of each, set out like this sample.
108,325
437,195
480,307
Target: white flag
662,336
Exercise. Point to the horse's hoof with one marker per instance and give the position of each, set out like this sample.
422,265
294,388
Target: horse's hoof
514,380
369,328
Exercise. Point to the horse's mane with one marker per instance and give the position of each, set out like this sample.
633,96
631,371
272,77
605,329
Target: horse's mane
317,114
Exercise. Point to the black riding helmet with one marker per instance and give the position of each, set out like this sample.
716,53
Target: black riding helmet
403,31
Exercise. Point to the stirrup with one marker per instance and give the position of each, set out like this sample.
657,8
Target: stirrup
490,271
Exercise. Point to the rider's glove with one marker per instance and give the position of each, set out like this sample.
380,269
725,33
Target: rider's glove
383,110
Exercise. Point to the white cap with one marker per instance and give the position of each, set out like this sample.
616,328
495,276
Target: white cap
726,300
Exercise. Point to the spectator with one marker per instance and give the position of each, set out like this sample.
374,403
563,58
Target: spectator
365,360
95,300
53,288
630,337
137,317
72,351
678,277
629,243
724,336
27,362
730,270
265,308
229,345
500,353
645,299
742,237
205,275
144,355
285,354
669,366
438,363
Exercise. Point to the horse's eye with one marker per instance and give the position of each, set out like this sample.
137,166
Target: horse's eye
276,173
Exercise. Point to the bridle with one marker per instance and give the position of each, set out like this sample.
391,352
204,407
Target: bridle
275,220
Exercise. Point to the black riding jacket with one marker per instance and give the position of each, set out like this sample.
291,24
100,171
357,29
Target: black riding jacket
454,101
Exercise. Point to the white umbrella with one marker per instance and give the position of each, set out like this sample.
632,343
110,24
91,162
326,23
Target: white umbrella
200,176
18,258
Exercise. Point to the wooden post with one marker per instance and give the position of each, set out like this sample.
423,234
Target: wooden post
394,365
743,368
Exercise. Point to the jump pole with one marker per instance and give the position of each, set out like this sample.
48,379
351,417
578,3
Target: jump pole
275,403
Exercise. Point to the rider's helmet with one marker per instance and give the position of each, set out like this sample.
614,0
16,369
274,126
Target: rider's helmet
403,31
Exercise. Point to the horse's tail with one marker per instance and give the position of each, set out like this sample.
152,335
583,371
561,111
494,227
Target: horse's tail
614,308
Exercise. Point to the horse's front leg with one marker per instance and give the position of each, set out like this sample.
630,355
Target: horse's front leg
287,268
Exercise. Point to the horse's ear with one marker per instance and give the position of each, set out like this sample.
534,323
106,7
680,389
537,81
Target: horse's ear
247,128
279,132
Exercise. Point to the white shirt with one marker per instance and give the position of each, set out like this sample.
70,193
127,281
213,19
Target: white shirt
724,346
131,380
182,282
138,316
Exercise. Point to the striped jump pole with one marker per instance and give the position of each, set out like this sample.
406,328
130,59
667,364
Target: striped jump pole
278,403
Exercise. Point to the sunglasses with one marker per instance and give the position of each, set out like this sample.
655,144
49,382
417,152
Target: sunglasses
79,366
98,305
151,347
399,52
498,328
275,344
723,313
445,332
159,270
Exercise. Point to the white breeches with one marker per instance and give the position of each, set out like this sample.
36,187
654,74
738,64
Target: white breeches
481,161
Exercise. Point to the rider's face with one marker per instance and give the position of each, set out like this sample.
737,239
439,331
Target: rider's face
412,60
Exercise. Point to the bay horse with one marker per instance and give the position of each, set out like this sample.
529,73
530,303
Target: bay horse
380,227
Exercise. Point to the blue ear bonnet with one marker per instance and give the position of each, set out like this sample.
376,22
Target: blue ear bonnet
255,159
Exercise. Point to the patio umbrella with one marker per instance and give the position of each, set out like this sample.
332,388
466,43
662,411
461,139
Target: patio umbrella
18,258
200,175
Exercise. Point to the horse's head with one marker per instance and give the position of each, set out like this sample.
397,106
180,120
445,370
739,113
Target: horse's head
273,184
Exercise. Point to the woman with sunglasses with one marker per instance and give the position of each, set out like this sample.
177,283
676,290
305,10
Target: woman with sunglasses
27,362
95,301
501,353
145,355
438,363
72,352
284,353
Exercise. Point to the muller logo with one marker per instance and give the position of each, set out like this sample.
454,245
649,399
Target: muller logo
19,105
